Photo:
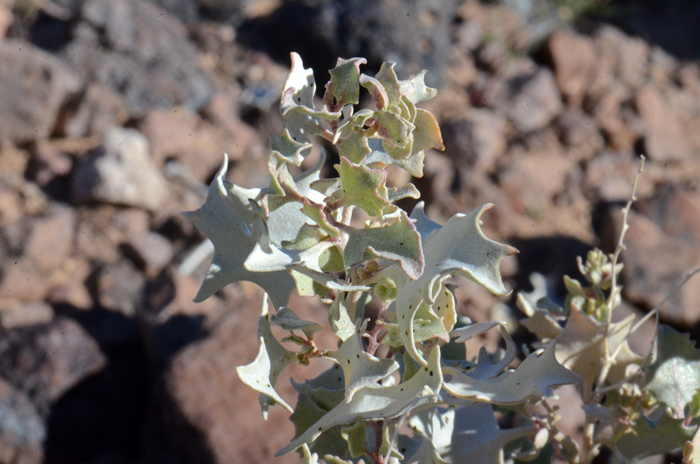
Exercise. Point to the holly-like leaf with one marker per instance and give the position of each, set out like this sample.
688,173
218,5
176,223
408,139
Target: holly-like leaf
581,347
364,187
297,104
344,85
469,434
284,216
674,378
261,375
316,398
287,320
659,434
416,90
539,372
542,325
458,248
361,369
228,220
378,403
425,227
257,376
399,243
431,321
485,369
407,191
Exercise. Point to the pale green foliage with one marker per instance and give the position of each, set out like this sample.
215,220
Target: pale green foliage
412,366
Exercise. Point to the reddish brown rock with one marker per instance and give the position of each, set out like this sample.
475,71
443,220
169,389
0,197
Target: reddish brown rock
477,141
621,57
573,59
655,263
530,101
578,130
181,136
664,139
37,262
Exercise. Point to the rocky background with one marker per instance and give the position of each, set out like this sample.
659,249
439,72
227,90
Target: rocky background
114,115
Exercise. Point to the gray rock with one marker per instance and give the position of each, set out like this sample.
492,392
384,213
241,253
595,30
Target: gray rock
22,432
120,172
34,87
45,361
141,52
100,109
120,287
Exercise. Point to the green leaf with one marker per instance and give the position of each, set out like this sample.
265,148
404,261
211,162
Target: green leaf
344,85
674,378
355,436
395,132
351,136
364,187
287,320
539,372
227,218
378,403
426,133
341,324
361,369
399,243
316,213
413,164
387,78
288,148
458,248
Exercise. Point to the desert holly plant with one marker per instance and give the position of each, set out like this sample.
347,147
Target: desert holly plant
401,388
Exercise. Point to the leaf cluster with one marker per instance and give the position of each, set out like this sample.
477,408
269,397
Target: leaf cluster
409,364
